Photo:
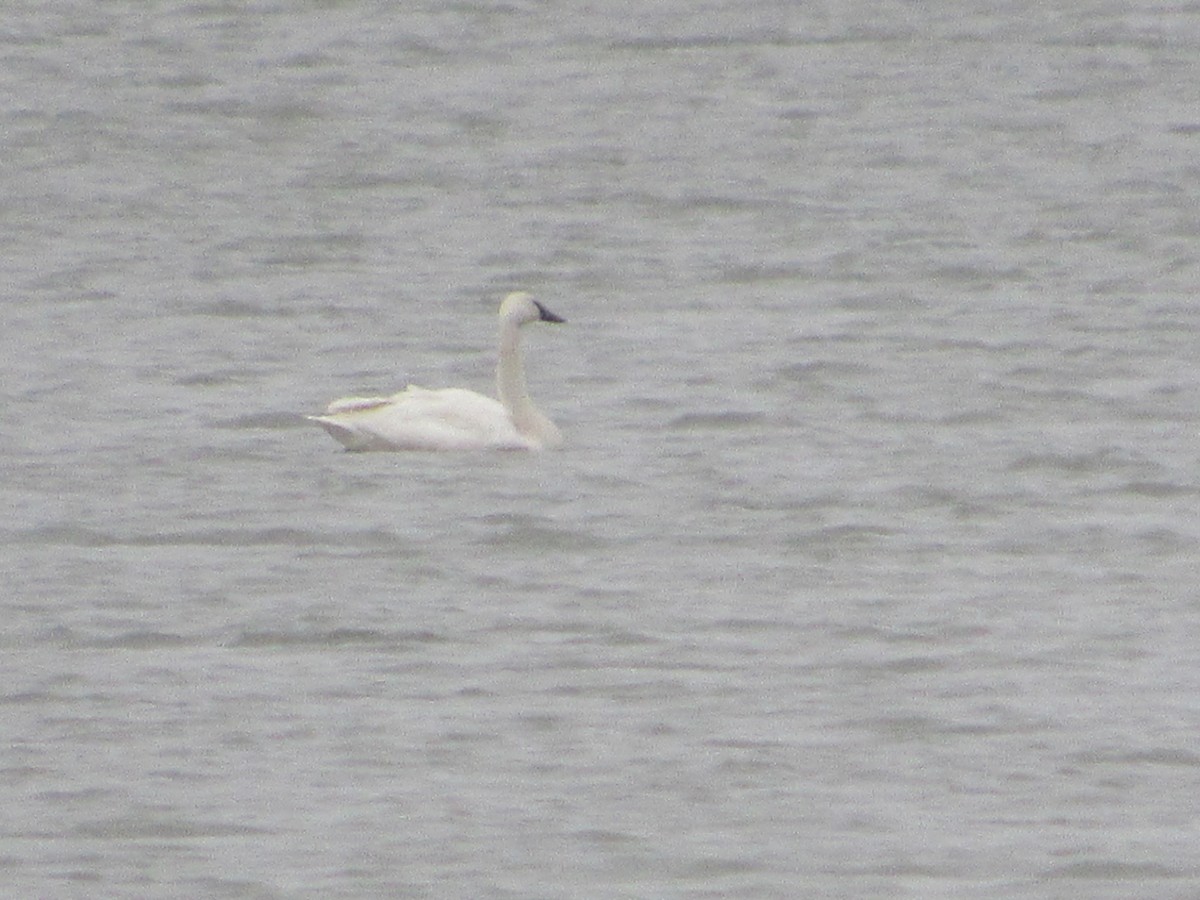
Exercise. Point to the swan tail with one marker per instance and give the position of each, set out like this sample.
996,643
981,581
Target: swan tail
343,434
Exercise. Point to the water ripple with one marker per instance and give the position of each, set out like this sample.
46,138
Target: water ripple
82,536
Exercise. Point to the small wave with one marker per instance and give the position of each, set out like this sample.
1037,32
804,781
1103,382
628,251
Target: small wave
217,377
229,308
751,626
154,828
574,632
82,536
332,637
821,372
517,531
727,419
1115,869
1074,463
911,665
262,420
748,274
140,640
602,837
839,536
957,418
1157,490
1165,540
1156,756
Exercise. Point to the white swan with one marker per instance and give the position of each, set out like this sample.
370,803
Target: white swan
454,418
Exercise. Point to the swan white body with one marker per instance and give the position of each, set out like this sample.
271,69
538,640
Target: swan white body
454,418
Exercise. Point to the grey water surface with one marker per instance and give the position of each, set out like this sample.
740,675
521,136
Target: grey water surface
869,570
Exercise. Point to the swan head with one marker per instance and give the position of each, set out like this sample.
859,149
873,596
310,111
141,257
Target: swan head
521,309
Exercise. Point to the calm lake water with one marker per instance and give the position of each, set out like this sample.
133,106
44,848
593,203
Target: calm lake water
869,569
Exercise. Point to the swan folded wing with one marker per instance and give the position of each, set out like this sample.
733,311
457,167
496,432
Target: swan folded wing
420,419
355,404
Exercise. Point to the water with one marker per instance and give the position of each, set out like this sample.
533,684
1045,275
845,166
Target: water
869,569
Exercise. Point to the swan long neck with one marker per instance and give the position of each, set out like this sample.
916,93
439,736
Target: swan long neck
510,372
510,385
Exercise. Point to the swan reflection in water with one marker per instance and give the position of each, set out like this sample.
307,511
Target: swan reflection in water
454,418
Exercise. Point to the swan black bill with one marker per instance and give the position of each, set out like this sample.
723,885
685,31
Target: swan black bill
546,315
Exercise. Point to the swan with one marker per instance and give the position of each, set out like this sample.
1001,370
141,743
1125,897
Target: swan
454,418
